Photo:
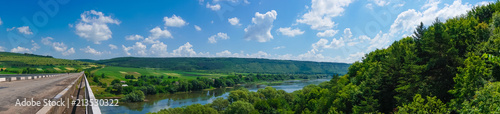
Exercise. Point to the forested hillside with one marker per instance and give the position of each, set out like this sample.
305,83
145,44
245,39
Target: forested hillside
446,67
224,65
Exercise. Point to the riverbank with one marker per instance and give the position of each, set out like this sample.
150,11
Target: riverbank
172,100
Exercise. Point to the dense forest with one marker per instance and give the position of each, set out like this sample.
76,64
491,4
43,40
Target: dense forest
229,65
446,67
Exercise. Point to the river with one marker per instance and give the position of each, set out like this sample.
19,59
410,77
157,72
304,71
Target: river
157,102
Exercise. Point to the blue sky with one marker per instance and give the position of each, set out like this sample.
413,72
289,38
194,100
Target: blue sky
309,30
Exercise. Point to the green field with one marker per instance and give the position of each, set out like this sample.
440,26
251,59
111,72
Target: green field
16,63
113,72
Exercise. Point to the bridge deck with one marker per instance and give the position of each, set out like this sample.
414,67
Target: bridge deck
38,89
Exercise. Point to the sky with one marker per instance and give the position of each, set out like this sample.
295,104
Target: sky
305,30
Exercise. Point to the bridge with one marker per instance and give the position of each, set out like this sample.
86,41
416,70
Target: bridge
45,94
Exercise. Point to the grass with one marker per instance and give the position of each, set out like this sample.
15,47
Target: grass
113,72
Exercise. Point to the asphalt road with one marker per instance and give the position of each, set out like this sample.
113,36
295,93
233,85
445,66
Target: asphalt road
38,89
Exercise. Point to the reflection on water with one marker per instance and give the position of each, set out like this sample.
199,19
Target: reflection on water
161,101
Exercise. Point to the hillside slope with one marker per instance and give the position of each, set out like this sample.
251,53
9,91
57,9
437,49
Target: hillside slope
240,65
30,63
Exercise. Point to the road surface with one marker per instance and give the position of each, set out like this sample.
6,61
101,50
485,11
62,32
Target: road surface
38,89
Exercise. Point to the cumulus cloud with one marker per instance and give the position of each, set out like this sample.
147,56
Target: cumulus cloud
198,28
113,46
68,52
219,36
320,15
134,37
215,7
58,46
138,48
20,49
234,21
159,49
92,51
327,33
174,21
185,50
260,30
157,32
290,32
380,2
325,44
93,26
2,48
408,20
24,29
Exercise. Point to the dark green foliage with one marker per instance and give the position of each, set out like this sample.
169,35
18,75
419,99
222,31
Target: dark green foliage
229,65
486,100
135,96
240,107
219,104
422,106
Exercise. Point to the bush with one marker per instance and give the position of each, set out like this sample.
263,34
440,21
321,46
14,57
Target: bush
135,96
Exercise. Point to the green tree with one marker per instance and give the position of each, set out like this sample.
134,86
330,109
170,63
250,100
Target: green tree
220,104
486,101
474,75
240,107
134,96
421,106
199,109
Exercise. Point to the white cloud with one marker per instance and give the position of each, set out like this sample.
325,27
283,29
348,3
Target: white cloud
24,29
319,17
290,32
157,33
198,28
113,46
347,33
408,20
482,3
219,36
159,49
279,47
327,33
2,48
1,22
93,26
68,52
260,30
369,6
215,7
185,50
134,37
139,48
325,44
20,49
234,21
380,2
174,21
58,46
92,51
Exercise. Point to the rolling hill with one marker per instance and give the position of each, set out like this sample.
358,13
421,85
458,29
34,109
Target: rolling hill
224,65
30,63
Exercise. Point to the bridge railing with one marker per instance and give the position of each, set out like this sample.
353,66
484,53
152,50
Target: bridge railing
93,107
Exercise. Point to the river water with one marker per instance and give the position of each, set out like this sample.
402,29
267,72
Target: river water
157,102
